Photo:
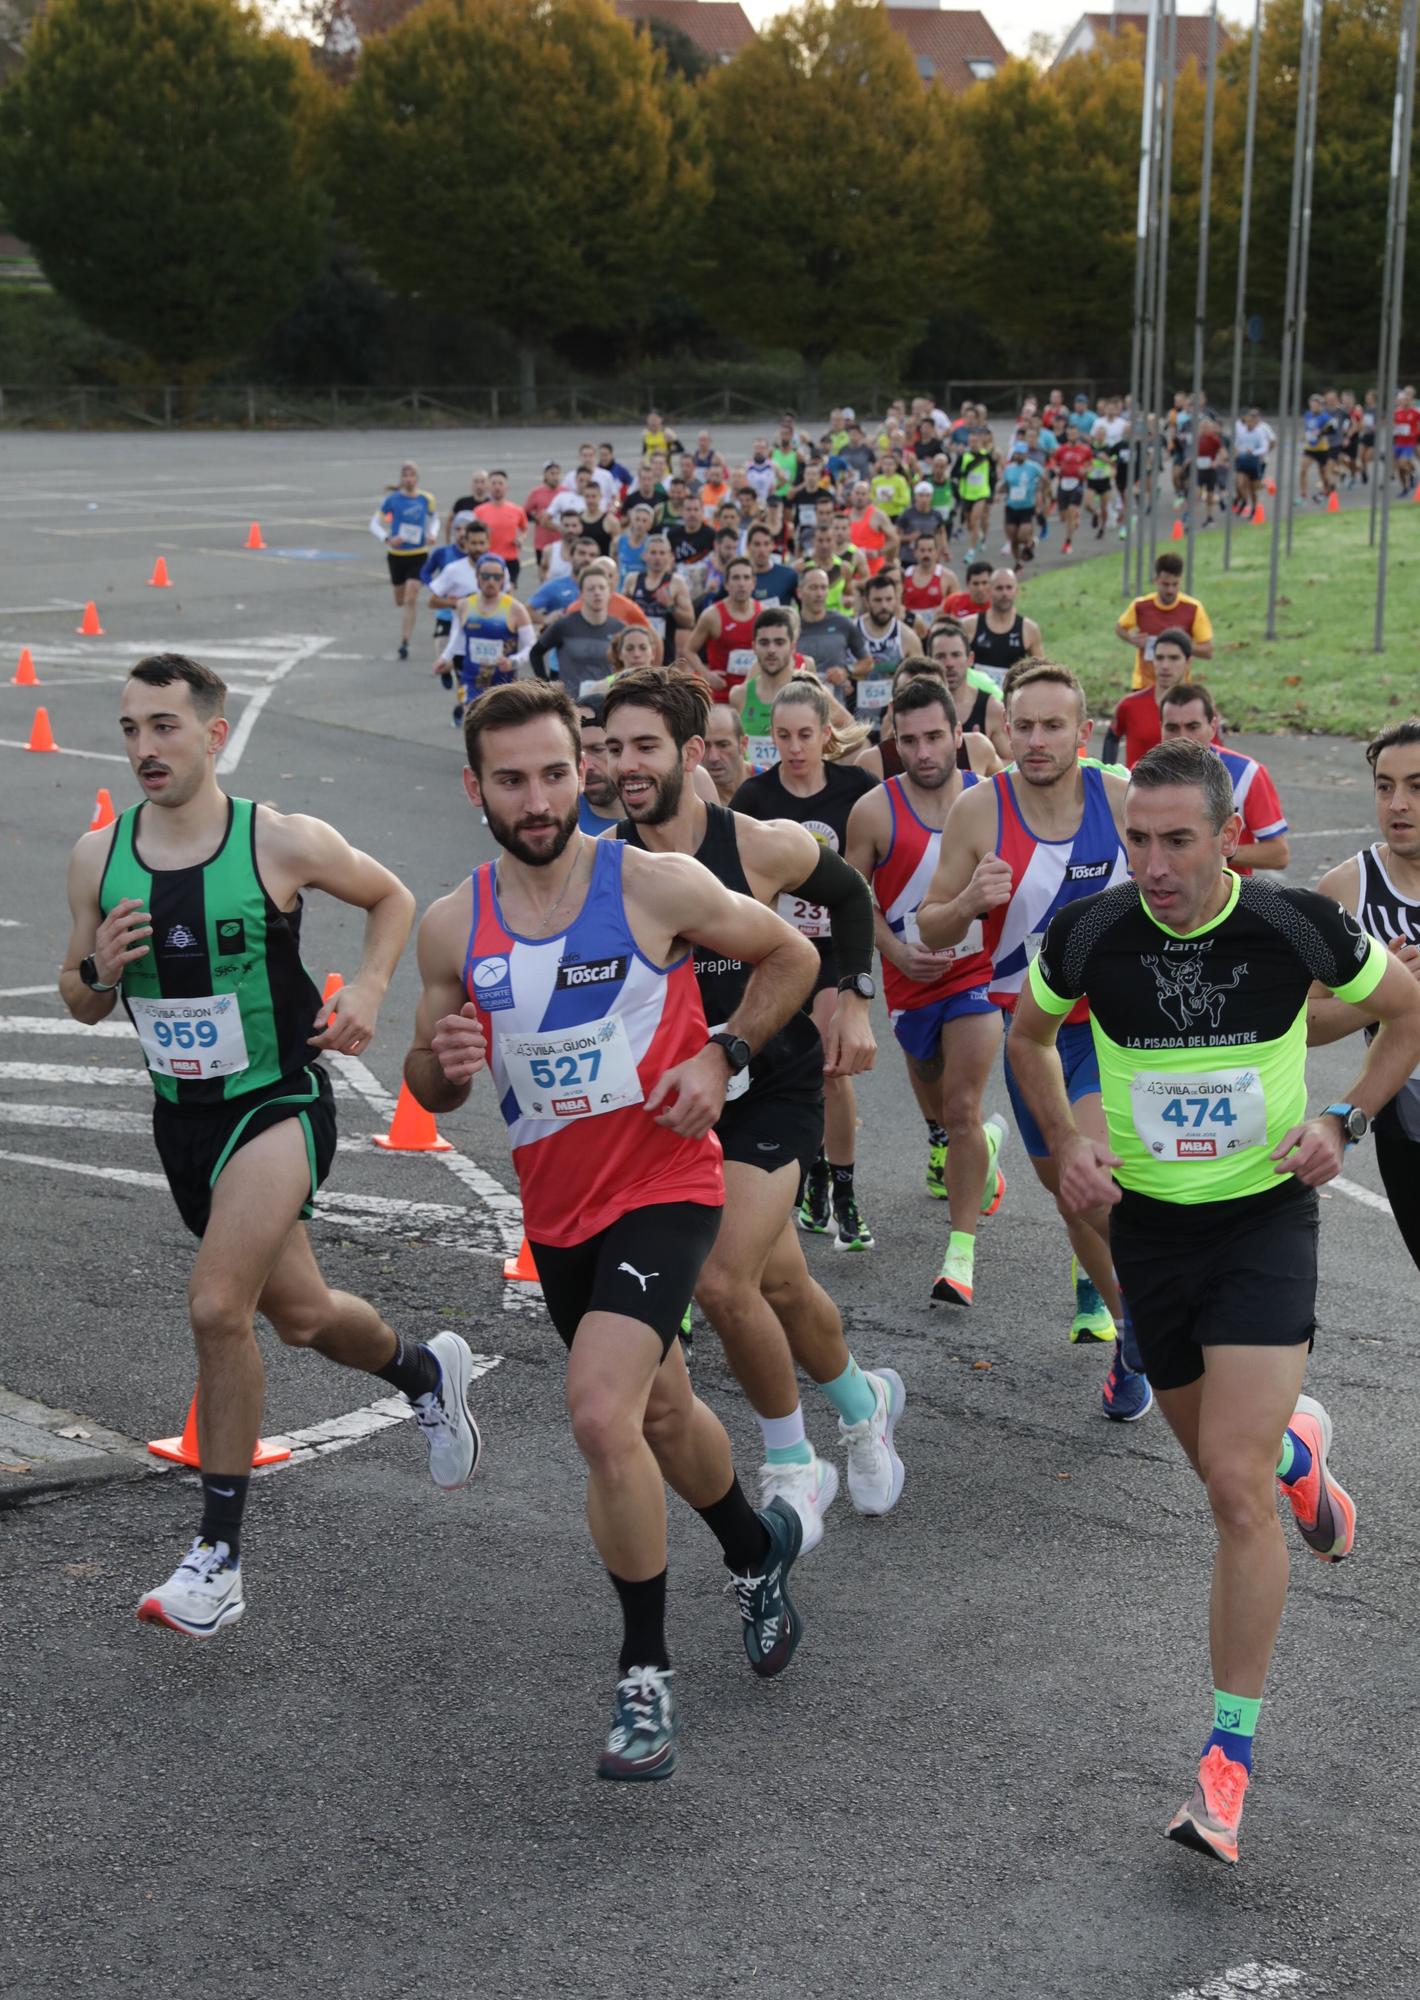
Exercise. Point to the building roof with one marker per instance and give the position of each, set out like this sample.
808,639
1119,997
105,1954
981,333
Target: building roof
720,27
1192,36
947,42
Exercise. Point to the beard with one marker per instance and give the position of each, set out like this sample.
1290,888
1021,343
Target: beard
509,835
599,791
930,779
663,803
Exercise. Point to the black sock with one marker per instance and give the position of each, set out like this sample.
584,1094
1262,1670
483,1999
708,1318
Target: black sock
643,1622
936,1133
819,1169
224,1495
411,1368
739,1531
842,1185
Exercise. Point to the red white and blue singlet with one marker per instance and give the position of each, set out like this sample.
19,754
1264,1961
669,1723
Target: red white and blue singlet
580,1028
900,881
1045,876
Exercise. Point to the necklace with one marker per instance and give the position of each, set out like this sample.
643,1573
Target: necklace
541,923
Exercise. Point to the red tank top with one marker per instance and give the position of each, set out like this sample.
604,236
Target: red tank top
872,541
927,596
900,881
732,653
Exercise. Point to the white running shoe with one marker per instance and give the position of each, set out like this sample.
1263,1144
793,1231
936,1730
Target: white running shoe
444,1416
203,1594
809,1489
875,1472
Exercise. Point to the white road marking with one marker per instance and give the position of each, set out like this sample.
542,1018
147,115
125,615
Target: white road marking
21,992
1240,1980
11,924
60,1024
40,610
339,1433
1361,1194
1330,833
98,756
95,1118
237,741
101,1076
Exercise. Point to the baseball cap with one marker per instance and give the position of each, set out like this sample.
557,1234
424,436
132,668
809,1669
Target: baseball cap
1018,449
849,416
923,486
463,517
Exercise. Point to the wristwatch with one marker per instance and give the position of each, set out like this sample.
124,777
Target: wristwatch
859,983
1354,1123
737,1050
89,973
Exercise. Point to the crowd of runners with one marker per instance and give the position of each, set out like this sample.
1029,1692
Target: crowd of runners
748,746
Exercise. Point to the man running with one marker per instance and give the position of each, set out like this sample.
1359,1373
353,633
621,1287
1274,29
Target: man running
1021,478
493,635
506,523
942,1014
726,747
1165,609
1070,462
884,640
188,909
828,638
1189,711
1405,440
1197,986
1138,718
978,706
562,970
1253,442
755,1288
723,634
1039,837
1000,636
598,808
581,638
409,523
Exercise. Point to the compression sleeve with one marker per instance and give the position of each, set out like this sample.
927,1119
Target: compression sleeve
526,636
545,643
842,891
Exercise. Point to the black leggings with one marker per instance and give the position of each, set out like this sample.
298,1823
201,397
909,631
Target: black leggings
1399,1161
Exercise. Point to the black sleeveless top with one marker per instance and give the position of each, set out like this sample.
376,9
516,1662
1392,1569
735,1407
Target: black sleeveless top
998,649
1386,914
976,720
791,1062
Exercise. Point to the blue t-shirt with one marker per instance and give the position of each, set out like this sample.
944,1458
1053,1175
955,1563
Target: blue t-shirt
1020,478
628,559
407,517
445,554
591,821
555,595
1316,424
779,582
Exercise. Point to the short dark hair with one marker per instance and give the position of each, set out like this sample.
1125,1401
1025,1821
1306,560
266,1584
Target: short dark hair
977,568
1180,762
497,473
679,695
511,706
774,618
1168,564
759,528
1175,636
1047,672
950,628
919,667
1187,691
1395,732
209,690
590,709
738,562
924,691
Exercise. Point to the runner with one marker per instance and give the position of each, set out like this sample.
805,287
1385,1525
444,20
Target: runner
582,638
1405,439
942,1014
976,483
870,528
774,666
1138,718
434,573
542,967
725,746
1211,460
1000,636
978,706
1197,986
723,634
506,524
775,582
188,909
1188,711
1099,478
926,585
492,637
883,638
1070,462
1253,441
919,519
811,784
1142,621
977,595
1042,835
409,523
1021,480
827,637
598,807
755,1287
1380,886
662,596
1318,427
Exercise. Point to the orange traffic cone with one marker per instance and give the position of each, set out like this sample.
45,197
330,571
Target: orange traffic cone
333,984
254,540
24,675
1259,516
183,1450
89,626
41,735
522,1268
1333,505
1177,535
1415,492
1272,488
160,580
104,814
412,1129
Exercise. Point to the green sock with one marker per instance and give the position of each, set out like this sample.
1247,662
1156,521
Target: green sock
962,1245
851,1394
1234,1726
801,1453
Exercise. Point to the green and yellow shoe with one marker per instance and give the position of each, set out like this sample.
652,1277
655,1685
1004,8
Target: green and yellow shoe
1093,1321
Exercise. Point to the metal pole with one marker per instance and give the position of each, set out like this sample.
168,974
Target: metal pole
1381,467
1148,415
1133,443
1244,226
1401,170
1161,325
1289,309
1305,248
1200,305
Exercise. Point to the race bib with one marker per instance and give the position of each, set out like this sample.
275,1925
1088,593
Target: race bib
192,1040
740,661
411,532
484,652
972,943
1069,485
810,918
1204,1116
762,752
572,1073
657,625
873,694
737,1085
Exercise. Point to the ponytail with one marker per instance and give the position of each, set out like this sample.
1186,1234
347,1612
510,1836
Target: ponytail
808,691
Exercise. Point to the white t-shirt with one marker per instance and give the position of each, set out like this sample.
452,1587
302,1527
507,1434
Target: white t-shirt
456,579
763,478
1256,438
609,486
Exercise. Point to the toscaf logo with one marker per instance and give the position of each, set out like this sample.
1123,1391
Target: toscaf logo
591,972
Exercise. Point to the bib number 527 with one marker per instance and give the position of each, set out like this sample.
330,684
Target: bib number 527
551,1073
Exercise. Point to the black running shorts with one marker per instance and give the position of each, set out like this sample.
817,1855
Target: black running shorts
769,1132
643,1266
195,1142
1216,1274
404,568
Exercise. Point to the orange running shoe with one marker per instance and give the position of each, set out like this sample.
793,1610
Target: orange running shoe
1211,1819
1325,1511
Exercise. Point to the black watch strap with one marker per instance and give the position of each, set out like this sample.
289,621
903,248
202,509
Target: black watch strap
89,973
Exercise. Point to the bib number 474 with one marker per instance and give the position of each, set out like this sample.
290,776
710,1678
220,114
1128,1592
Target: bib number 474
1192,1113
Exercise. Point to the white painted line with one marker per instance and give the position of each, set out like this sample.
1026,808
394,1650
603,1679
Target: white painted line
11,924
100,1076
339,1433
62,1024
1361,1194
96,1118
22,992
39,610
96,756
237,741
1331,833
1241,1980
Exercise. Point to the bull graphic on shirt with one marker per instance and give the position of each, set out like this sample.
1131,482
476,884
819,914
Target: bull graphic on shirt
1185,996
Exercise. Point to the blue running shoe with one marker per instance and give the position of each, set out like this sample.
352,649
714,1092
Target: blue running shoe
772,1626
641,1745
1126,1394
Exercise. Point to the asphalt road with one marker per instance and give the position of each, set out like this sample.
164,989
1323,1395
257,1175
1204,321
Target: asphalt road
380,1784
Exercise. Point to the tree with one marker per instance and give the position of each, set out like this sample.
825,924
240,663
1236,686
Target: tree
684,58
157,154
829,206
557,215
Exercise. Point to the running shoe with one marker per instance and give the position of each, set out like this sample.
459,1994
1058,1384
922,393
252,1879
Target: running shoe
875,1472
1324,1510
816,1208
1126,1394
1211,1819
1065,548
444,1416
458,721
641,1745
994,1192
772,1626
203,1594
937,1170
403,650
1093,1320
446,680
685,1334
953,1284
809,1489
852,1232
